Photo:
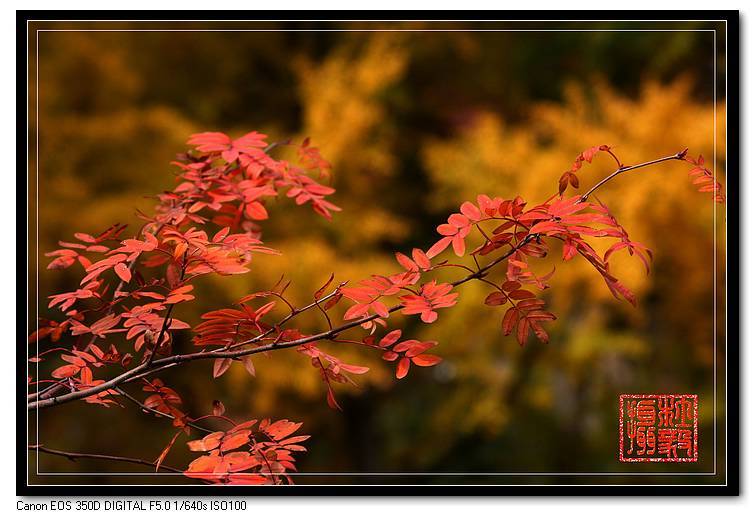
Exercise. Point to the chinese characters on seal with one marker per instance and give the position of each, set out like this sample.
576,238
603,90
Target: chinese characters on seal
658,428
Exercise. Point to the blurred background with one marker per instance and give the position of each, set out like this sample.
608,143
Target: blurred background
414,123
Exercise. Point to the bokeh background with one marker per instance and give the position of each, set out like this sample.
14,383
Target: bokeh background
414,123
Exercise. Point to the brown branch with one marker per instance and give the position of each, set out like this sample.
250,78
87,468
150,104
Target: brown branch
53,390
294,313
56,386
157,412
167,321
678,156
73,456
146,369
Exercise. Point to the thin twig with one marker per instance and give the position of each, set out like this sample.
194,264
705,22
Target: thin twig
73,456
164,363
157,412
58,386
622,169
294,313
52,391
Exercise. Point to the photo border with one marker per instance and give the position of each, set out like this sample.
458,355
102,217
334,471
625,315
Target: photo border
731,343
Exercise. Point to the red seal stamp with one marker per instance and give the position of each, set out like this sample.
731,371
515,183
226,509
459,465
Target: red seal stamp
658,428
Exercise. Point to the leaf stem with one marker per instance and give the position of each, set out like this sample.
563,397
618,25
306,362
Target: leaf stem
622,169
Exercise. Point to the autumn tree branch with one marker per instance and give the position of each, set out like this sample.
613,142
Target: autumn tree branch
622,169
73,456
150,367
146,369
156,412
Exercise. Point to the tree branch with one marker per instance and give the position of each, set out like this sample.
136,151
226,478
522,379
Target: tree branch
73,456
294,313
148,368
157,412
678,156
53,390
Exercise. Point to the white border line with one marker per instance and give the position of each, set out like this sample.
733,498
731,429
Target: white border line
375,30
715,271
379,20
715,275
36,220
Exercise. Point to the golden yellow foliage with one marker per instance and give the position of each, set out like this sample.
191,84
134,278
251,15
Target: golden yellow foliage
658,207
99,158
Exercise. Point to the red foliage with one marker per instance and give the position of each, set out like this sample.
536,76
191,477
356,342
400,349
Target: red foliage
130,287
704,179
243,455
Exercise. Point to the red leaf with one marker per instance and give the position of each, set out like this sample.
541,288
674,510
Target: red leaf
521,294
235,440
74,360
85,238
390,356
470,211
421,259
426,360
508,286
256,211
204,467
332,403
209,442
65,371
438,247
429,317
319,293
249,365
282,429
458,245
509,320
496,298
406,262
522,331
403,368
540,333
390,338
165,451
354,369
356,311
569,251
221,366
247,479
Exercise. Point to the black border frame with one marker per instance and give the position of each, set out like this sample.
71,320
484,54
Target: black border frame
733,404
